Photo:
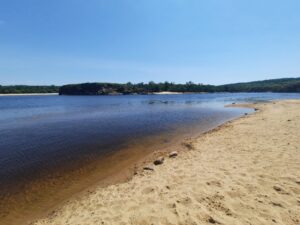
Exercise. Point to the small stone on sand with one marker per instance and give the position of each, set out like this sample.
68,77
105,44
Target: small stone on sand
159,161
173,154
148,168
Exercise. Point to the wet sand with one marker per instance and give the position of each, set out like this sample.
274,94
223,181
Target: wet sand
244,172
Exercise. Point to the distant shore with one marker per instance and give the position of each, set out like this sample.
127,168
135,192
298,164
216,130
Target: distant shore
229,175
177,93
167,93
29,94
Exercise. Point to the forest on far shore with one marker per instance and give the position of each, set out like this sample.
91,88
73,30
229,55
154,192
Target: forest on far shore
274,85
25,89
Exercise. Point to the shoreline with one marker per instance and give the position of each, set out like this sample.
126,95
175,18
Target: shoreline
29,94
161,176
128,160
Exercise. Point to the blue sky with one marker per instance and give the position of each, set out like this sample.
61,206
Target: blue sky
215,41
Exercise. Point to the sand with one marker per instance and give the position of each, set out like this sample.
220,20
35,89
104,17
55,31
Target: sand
245,172
167,93
29,94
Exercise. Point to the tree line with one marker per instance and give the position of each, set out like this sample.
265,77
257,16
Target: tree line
274,85
25,89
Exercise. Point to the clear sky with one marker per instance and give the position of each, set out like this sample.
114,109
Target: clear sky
211,41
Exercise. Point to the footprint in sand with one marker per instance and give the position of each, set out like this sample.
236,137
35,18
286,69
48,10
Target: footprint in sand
148,190
277,204
280,190
214,183
185,201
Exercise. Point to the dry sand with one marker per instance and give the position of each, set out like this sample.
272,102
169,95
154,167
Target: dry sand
167,93
29,94
244,172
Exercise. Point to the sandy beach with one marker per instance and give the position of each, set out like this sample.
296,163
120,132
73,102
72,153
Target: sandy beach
246,171
29,94
167,93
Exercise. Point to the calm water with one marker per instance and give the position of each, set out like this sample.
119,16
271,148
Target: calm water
41,132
